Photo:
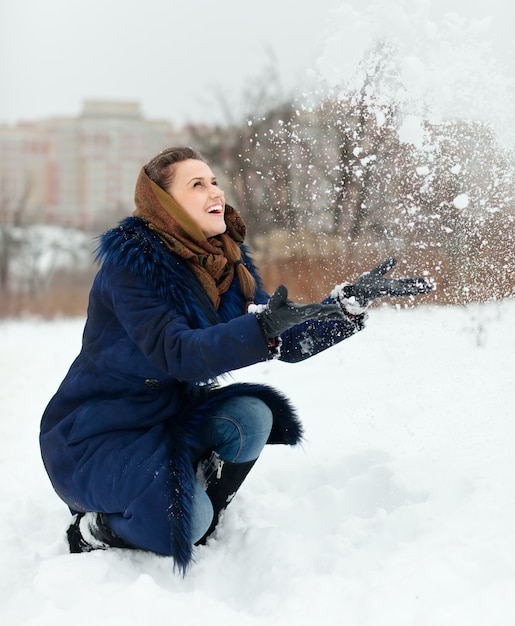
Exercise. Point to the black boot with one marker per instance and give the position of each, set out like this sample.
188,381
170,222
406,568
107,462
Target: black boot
221,480
92,531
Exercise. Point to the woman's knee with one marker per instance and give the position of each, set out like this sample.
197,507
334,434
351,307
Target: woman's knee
251,420
260,412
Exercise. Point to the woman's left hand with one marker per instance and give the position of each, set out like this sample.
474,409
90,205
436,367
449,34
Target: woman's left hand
373,284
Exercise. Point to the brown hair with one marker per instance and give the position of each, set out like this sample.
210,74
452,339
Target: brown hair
160,169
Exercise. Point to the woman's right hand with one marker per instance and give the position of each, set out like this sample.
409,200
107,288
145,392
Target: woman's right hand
281,313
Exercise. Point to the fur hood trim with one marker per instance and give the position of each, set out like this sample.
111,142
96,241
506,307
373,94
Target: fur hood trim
133,246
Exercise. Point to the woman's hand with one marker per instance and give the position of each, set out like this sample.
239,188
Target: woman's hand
372,285
280,313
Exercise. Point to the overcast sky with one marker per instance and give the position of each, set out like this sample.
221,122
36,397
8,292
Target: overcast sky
174,56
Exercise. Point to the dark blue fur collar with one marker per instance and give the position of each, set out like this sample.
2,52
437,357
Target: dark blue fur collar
133,246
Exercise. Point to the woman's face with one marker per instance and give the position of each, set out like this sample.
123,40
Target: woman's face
196,191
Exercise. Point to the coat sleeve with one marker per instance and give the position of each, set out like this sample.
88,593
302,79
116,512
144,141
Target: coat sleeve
166,340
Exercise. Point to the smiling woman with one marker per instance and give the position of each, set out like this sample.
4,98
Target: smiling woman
140,441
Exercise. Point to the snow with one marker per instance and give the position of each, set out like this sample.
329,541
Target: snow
398,510
439,62
412,131
461,201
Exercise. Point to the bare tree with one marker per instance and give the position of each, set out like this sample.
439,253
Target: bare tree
11,220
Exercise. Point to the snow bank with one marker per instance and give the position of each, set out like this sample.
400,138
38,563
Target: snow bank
398,510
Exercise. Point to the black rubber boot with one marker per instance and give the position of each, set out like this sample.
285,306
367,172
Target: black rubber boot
91,531
221,480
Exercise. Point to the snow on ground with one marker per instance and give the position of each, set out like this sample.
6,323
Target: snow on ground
398,510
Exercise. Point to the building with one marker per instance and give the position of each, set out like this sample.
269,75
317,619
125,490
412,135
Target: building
78,171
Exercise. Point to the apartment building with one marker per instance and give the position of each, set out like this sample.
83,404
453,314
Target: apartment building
78,171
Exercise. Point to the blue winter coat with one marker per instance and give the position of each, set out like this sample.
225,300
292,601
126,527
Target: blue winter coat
117,436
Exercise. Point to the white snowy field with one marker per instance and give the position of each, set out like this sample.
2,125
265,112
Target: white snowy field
398,510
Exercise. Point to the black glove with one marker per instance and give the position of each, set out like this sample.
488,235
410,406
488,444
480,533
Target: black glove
280,313
372,285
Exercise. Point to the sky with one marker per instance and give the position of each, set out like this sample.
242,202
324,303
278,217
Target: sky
181,60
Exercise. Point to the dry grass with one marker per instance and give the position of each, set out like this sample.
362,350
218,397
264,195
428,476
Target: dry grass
309,278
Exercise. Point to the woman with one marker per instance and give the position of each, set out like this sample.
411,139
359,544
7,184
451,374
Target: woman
139,441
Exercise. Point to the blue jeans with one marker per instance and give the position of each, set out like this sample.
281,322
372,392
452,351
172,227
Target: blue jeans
238,432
